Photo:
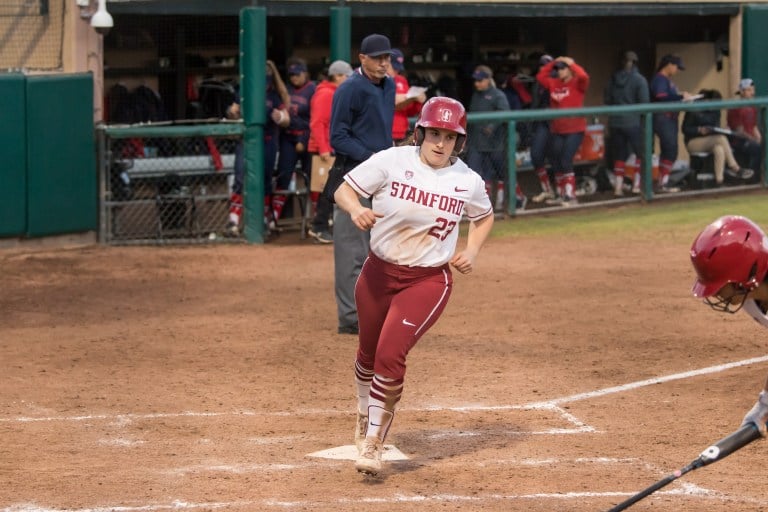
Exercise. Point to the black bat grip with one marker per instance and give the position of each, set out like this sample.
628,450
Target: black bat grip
726,446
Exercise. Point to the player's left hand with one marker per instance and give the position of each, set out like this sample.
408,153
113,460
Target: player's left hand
464,261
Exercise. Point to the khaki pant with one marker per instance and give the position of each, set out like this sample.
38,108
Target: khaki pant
720,148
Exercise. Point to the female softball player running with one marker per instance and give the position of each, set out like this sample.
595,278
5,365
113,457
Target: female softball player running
419,195
731,261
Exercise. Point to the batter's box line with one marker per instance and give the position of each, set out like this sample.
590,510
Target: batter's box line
578,427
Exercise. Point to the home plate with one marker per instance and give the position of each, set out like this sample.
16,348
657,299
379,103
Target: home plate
349,452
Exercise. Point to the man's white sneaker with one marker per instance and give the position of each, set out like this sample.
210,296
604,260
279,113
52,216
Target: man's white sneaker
360,429
369,460
540,198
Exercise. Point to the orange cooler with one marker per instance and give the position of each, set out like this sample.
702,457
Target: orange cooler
593,145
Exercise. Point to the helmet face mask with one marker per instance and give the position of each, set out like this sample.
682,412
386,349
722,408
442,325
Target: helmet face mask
730,257
729,299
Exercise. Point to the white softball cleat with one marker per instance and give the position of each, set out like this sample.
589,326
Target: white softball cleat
369,461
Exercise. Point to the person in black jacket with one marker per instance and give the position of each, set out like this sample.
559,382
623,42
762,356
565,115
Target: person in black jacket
362,113
626,87
700,130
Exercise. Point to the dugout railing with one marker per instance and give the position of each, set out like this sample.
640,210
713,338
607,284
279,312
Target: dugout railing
162,184
646,111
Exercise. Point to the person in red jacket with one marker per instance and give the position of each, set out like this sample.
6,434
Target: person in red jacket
405,105
567,83
320,143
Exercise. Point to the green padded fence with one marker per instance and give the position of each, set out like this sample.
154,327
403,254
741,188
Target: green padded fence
61,179
13,195
755,46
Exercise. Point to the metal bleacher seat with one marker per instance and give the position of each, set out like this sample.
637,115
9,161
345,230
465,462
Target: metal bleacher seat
702,170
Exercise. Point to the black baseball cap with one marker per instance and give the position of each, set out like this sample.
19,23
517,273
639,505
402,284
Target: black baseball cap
672,59
297,68
375,45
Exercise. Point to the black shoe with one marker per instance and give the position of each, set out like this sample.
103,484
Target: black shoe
349,329
322,237
741,174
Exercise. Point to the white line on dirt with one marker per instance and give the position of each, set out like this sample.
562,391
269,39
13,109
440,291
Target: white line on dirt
687,490
648,382
551,404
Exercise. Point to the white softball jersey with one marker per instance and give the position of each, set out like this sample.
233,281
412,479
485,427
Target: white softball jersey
422,206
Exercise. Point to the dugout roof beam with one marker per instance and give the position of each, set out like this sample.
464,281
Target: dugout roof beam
287,8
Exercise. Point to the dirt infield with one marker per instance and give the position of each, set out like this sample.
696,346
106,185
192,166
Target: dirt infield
565,374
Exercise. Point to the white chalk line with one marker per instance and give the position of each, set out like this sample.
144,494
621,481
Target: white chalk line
648,382
551,404
127,418
399,498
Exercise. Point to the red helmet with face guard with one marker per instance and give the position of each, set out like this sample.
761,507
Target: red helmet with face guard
733,249
446,113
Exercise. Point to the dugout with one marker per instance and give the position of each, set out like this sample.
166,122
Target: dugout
174,45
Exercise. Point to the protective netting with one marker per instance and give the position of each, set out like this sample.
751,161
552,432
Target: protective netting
32,33
166,189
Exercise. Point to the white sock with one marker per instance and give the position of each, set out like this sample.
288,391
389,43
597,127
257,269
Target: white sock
385,394
363,380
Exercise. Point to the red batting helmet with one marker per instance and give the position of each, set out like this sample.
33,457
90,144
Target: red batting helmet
733,249
446,113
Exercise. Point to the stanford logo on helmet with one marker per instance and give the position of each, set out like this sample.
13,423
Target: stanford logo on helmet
446,115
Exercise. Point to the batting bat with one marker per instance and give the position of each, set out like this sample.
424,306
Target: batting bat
717,451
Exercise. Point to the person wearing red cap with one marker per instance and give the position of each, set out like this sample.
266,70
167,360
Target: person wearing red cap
405,106
730,257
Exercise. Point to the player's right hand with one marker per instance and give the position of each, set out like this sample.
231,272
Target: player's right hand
758,414
365,218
